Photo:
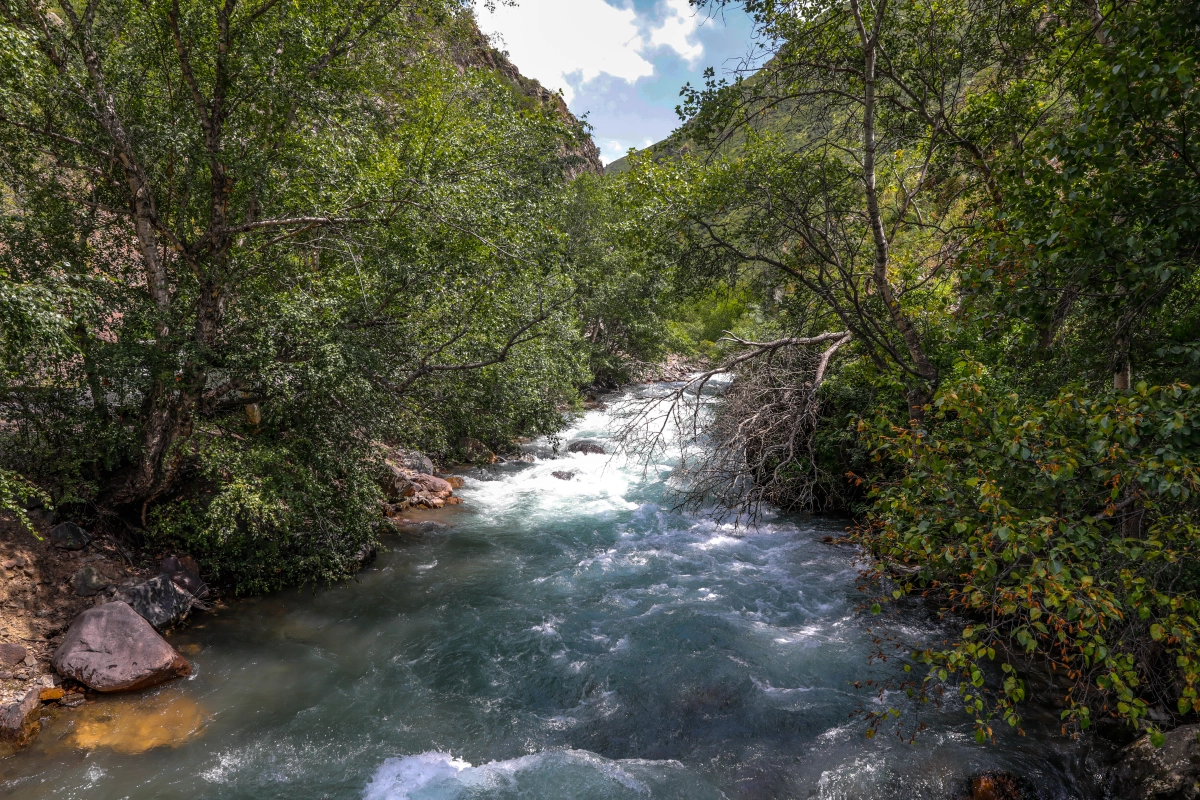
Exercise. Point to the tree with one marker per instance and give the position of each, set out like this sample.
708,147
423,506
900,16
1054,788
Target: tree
214,163
1102,224
289,232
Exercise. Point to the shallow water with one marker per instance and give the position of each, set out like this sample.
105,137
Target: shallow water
554,639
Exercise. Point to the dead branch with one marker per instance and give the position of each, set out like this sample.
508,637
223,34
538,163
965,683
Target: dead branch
751,445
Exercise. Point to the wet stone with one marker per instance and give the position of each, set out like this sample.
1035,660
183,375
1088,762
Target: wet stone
587,447
19,717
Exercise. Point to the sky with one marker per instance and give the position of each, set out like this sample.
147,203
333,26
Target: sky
619,62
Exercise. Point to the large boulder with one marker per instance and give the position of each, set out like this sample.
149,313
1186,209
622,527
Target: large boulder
19,716
69,536
111,648
160,600
1142,771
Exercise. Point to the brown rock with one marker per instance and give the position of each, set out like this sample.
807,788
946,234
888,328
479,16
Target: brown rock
51,694
455,481
586,447
396,484
11,654
432,486
564,476
995,786
111,648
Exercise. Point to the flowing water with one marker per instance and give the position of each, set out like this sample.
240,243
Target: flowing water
548,639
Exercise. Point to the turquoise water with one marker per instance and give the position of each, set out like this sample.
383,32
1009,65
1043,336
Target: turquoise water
549,639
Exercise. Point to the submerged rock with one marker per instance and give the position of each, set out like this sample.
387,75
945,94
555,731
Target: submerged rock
132,725
69,536
111,648
587,447
160,601
564,476
1171,772
994,785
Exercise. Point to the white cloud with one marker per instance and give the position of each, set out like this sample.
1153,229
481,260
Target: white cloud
678,30
613,150
567,43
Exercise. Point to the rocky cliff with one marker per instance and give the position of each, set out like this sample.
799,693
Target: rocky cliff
472,49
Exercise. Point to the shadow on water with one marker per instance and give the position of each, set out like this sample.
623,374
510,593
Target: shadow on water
558,638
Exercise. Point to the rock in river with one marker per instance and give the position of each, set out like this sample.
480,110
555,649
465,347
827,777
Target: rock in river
19,716
433,486
586,446
1171,772
111,648
69,536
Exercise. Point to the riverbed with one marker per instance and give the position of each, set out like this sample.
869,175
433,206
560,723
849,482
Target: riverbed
547,639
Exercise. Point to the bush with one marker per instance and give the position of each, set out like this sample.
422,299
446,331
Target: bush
274,512
1063,531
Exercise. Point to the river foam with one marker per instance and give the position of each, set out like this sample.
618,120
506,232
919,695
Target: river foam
563,773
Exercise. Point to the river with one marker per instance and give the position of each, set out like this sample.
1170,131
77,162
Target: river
547,639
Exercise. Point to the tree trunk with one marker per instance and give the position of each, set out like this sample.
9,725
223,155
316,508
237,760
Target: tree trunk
926,372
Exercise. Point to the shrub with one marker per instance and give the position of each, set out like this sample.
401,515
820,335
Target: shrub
1062,531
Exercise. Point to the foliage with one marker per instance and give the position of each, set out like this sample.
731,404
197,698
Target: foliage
1063,531
337,218
1101,222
